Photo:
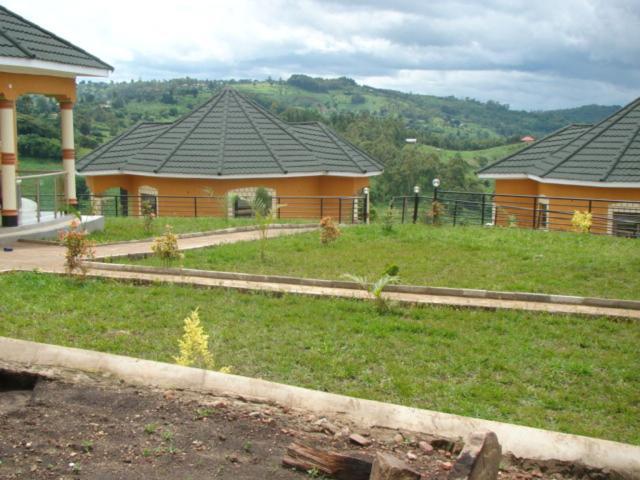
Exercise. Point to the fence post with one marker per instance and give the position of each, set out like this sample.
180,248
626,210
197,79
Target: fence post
116,199
535,207
482,211
195,207
455,212
277,207
38,200
321,207
404,207
416,202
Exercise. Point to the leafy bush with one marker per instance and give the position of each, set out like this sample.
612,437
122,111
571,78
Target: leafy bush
148,215
582,221
165,247
78,247
329,232
388,221
436,212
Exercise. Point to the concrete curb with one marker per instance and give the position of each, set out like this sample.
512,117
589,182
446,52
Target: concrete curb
413,289
524,442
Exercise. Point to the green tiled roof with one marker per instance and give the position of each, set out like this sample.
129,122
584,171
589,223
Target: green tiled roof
608,152
229,135
20,38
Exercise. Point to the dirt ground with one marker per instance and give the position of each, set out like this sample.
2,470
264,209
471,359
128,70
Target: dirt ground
72,425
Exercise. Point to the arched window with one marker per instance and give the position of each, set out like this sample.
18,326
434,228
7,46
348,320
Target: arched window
149,195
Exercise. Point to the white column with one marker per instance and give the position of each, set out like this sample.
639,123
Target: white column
68,152
8,154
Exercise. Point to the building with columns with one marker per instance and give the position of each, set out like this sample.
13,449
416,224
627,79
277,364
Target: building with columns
36,61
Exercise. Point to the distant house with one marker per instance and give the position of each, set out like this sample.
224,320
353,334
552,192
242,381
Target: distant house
230,146
528,139
593,167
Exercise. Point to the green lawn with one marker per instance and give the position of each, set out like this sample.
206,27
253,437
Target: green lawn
470,257
132,228
564,373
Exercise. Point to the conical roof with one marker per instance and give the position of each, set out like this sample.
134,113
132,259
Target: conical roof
605,153
229,136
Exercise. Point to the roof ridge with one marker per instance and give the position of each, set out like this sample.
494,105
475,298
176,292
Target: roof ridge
191,130
278,121
223,137
629,108
66,42
17,44
614,164
335,140
531,145
275,157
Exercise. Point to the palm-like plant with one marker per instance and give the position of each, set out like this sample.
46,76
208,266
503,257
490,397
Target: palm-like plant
375,289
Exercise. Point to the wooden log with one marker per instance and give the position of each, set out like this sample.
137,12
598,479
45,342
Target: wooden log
388,467
336,465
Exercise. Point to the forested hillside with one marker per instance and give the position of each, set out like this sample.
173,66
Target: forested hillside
453,135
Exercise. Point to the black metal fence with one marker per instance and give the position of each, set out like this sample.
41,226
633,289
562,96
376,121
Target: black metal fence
344,209
608,217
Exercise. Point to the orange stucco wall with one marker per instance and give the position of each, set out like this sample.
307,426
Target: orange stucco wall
12,85
560,209
179,188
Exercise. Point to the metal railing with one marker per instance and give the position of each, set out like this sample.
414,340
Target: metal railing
608,216
344,209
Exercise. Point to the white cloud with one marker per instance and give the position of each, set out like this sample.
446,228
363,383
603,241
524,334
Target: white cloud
543,54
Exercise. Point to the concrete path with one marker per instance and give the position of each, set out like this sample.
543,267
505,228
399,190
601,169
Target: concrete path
50,258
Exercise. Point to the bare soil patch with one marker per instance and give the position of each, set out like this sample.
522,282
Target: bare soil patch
72,425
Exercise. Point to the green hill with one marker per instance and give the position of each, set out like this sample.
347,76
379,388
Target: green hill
454,136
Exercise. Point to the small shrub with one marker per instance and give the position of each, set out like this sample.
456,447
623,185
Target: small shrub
388,221
513,221
264,218
148,215
329,232
582,221
165,247
78,247
436,212
194,345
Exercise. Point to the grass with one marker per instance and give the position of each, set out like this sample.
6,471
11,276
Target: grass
564,373
468,257
132,228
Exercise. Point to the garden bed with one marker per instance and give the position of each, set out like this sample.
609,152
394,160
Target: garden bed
556,372
464,257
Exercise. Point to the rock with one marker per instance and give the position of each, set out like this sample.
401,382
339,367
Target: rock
388,467
412,456
446,465
425,447
398,438
479,459
326,426
359,440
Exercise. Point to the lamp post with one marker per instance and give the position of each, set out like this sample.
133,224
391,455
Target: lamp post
365,214
416,202
436,184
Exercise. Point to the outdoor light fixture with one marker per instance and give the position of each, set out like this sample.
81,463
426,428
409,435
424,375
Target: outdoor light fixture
435,182
365,190
416,189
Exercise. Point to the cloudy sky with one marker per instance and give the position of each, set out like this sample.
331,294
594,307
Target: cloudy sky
539,54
